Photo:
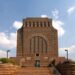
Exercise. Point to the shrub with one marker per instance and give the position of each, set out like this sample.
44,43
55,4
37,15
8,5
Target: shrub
6,60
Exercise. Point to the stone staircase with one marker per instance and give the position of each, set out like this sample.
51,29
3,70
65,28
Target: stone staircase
34,71
8,69
73,68
67,68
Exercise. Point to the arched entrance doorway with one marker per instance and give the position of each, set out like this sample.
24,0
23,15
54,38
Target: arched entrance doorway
37,63
37,60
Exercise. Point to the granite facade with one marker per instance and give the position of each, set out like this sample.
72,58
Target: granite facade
36,40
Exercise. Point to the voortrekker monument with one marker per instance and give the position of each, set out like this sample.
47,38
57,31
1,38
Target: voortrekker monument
37,51
37,42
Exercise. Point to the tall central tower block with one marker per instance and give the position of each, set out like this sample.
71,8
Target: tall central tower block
37,42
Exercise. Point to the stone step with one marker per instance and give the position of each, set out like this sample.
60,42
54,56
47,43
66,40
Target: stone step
34,71
13,70
8,69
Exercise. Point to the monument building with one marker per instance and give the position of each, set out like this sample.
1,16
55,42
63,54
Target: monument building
37,42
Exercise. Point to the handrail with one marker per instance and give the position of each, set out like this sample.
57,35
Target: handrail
55,70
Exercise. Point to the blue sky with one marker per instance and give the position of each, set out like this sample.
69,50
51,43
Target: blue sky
12,12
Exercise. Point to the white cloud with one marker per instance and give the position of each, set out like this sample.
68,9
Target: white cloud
44,16
71,10
17,24
3,38
55,13
57,24
71,52
2,54
6,41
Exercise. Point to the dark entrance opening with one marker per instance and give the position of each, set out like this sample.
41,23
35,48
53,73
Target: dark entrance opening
37,54
37,63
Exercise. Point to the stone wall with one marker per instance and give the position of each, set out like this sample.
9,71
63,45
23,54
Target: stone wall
66,68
